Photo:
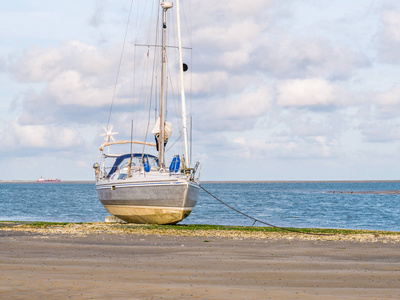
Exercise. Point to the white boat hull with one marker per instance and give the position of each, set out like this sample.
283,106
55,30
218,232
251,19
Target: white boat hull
148,202
141,187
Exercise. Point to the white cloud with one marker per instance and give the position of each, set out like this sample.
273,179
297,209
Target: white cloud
226,11
389,38
392,25
204,83
236,35
69,80
69,88
249,44
235,58
289,147
250,104
307,92
286,56
234,113
389,99
384,131
46,138
43,64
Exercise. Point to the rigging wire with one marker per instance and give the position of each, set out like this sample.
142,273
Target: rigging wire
138,26
175,100
169,148
144,78
119,66
254,219
188,26
146,95
153,77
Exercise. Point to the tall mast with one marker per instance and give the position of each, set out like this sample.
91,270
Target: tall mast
165,5
183,100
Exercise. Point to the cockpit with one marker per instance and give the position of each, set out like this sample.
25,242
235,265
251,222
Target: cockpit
138,161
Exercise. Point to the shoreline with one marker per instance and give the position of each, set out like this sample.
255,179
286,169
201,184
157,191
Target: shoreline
59,182
104,265
227,181
206,231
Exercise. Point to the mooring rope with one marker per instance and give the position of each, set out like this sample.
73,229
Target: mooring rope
255,219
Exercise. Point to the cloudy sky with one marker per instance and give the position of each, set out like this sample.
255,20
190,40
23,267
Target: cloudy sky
282,90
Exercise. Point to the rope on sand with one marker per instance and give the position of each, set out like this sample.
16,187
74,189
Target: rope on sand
254,219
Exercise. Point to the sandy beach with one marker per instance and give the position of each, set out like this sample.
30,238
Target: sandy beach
103,264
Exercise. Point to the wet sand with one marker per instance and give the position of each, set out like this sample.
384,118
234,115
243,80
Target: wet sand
133,266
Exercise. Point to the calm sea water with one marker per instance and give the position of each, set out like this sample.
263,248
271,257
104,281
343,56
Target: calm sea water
282,204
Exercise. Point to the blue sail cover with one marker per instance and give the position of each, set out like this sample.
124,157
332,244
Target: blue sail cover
146,164
125,156
175,164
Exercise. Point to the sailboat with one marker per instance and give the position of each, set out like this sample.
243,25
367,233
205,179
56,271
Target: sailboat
140,186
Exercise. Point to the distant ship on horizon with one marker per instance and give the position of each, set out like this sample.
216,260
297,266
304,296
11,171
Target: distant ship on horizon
41,179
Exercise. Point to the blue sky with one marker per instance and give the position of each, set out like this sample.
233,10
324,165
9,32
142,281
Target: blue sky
282,90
